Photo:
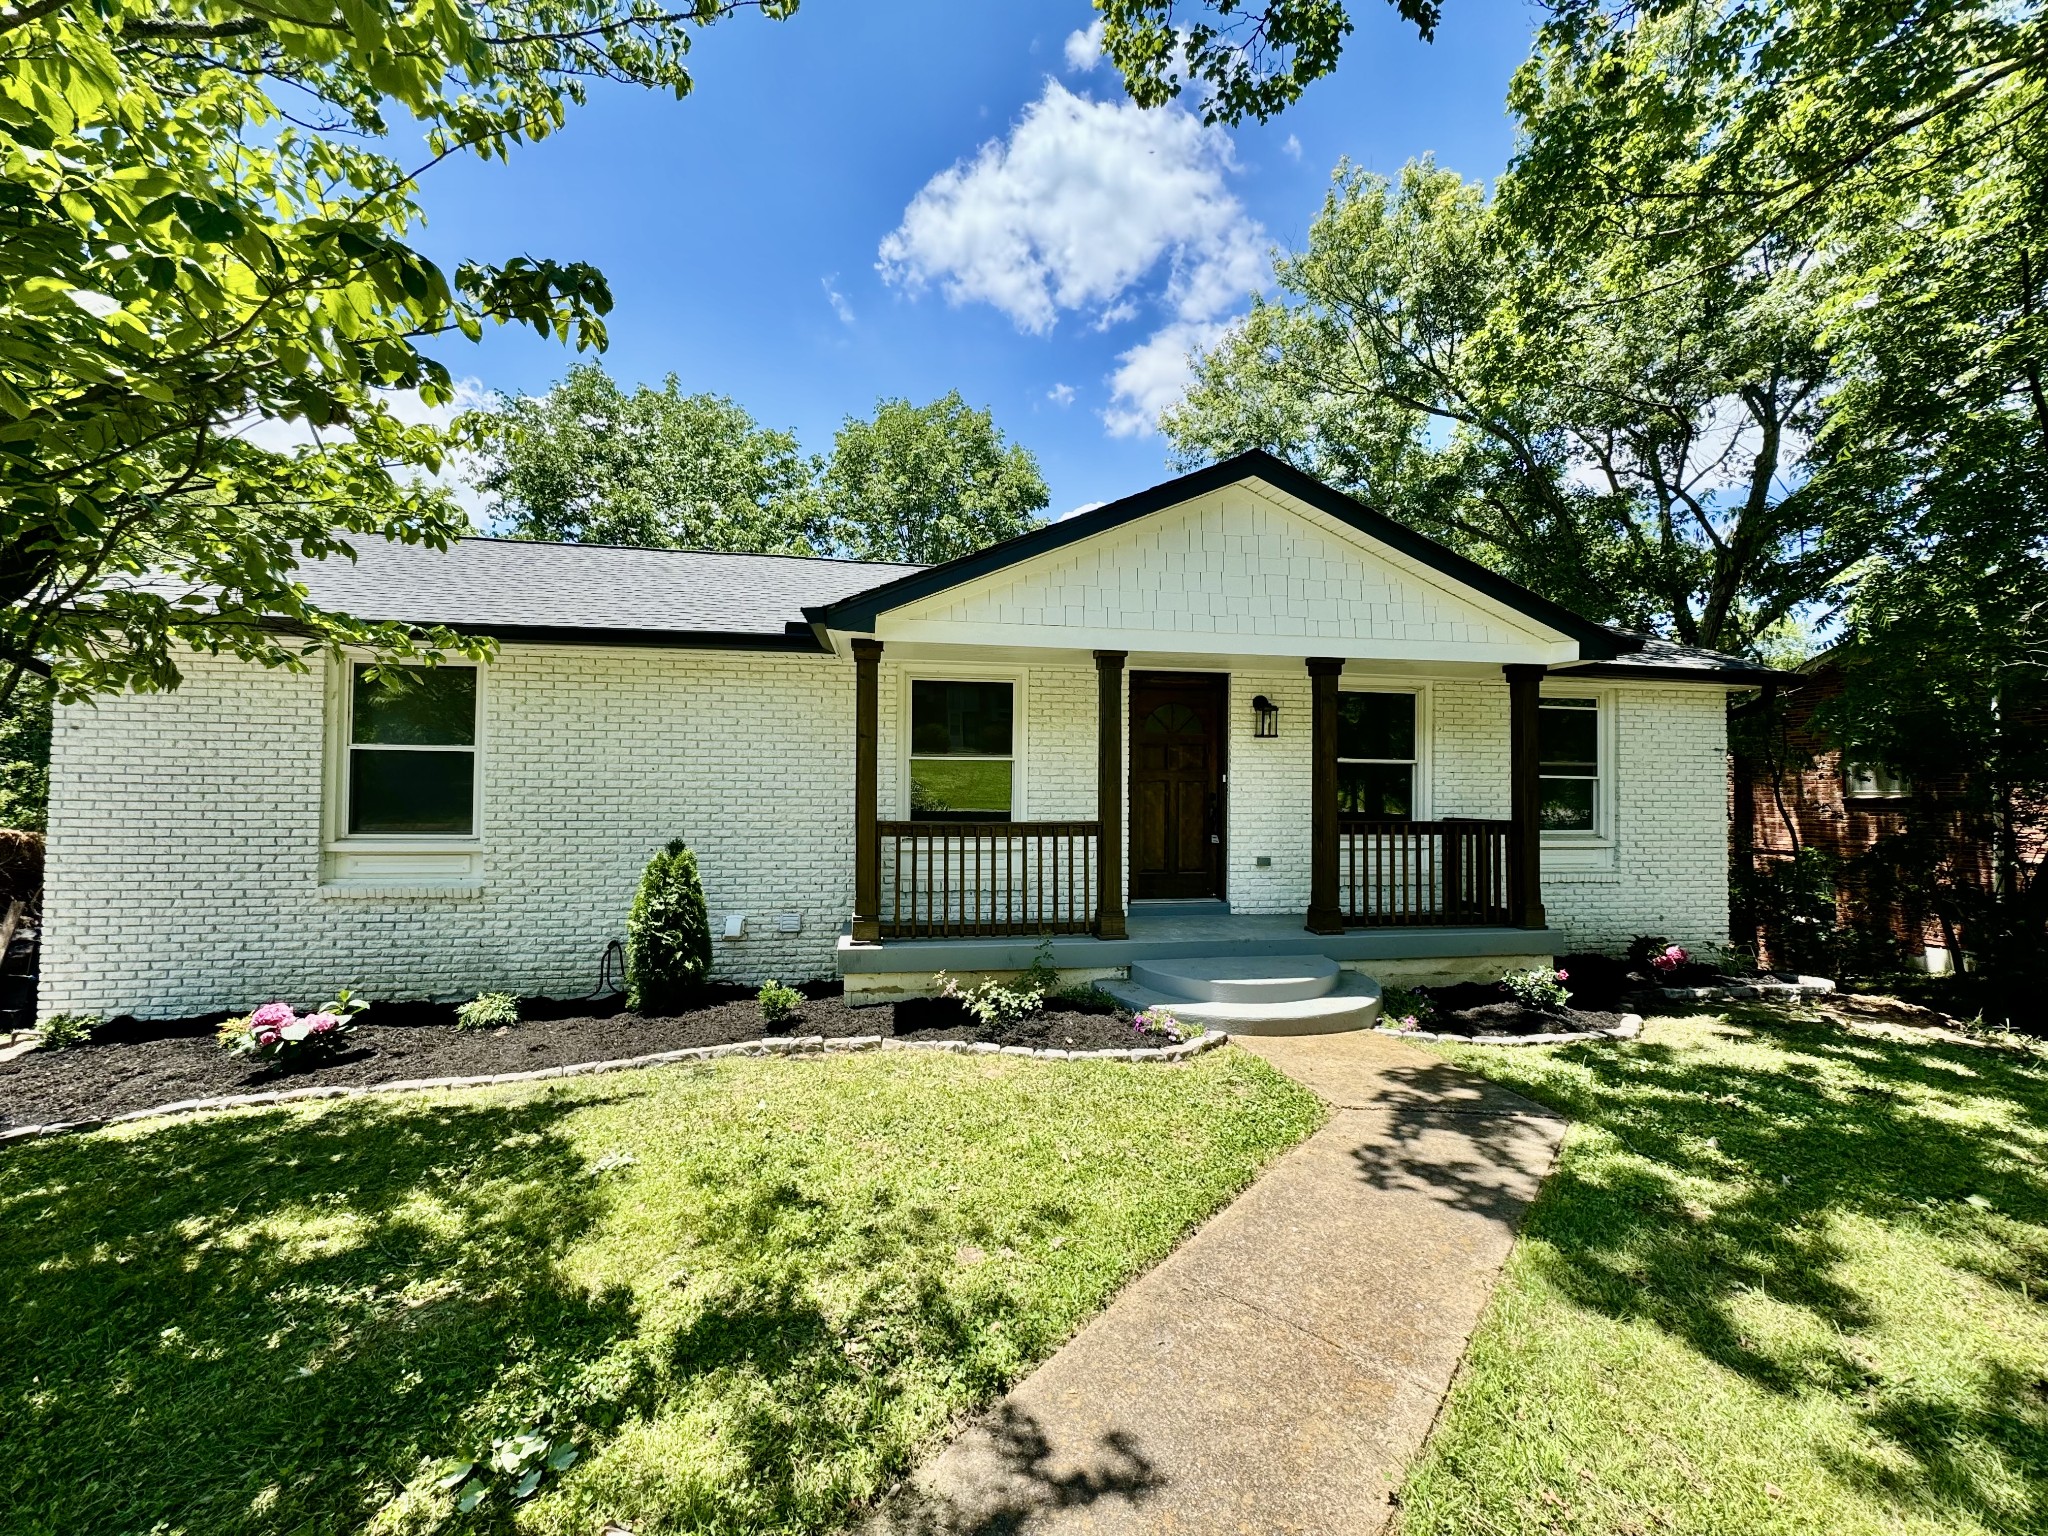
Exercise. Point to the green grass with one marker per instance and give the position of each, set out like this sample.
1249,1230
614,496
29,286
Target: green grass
1785,1279
752,1292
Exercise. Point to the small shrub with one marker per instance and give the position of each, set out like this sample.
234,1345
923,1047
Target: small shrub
1643,948
1043,977
61,1030
513,1469
488,1010
1666,965
1403,1008
778,1002
994,1004
668,933
275,1032
1541,988
1158,1023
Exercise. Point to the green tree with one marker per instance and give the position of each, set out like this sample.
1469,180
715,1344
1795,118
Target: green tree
25,757
1639,456
206,231
1249,58
925,483
589,463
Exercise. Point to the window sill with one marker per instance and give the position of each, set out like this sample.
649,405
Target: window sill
422,864
1577,853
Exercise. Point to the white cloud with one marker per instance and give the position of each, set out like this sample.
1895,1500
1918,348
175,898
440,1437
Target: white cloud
1061,394
836,299
1086,506
1292,148
1152,375
1080,209
1084,49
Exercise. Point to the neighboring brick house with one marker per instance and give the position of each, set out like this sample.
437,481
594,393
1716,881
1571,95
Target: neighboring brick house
1239,706
1794,788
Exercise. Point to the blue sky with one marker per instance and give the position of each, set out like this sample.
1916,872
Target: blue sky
901,197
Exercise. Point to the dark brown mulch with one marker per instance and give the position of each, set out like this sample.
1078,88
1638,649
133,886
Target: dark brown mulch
1513,1018
133,1064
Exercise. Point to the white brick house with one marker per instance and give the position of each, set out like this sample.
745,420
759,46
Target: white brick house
1238,701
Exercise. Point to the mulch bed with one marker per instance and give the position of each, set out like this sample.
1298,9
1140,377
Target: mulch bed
133,1064
1483,1008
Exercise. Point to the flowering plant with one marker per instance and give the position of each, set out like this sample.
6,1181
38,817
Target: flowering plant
994,1004
276,1032
1159,1024
1672,958
1541,988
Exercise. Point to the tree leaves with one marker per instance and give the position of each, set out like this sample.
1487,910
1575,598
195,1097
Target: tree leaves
208,299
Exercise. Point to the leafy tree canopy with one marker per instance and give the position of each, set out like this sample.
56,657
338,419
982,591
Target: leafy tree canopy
926,483
1248,58
1755,311
205,228
590,463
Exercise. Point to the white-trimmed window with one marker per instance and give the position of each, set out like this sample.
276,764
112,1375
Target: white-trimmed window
1571,755
1871,780
1377,759
410,752
963,736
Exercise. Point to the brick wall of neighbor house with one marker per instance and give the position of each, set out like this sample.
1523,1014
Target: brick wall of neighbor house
185,831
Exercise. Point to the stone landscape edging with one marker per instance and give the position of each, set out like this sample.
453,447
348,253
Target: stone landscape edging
1630,1026
796,1045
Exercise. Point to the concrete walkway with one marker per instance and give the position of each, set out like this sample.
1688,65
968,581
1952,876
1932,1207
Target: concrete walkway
1277,1372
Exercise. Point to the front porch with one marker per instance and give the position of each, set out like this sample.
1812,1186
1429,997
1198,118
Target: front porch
939,876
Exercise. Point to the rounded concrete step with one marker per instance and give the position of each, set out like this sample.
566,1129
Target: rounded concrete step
1353,1003
1238,979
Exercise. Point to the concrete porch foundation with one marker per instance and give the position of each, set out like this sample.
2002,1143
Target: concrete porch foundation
900,968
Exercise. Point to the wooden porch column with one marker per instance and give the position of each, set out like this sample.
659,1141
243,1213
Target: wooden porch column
1525,799
1109,794
867,843
1324,914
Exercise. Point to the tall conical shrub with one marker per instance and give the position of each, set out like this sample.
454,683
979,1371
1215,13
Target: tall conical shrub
668,933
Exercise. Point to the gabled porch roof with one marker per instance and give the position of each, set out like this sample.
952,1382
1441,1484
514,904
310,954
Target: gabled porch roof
863,612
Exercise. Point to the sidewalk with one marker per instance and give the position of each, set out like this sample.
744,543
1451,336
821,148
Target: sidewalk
1277,1372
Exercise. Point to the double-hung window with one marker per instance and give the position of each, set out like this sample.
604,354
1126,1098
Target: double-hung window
962,760
411,751
1376,755
1568,758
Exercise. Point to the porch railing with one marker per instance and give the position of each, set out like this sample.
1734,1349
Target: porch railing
1423,873
964,879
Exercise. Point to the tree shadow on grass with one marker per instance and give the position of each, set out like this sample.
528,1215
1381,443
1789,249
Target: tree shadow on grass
262,1322
1734,1181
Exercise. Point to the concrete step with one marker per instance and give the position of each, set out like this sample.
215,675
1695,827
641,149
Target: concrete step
1239,978
1352,1003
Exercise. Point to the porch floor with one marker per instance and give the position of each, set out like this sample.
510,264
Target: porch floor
1181,930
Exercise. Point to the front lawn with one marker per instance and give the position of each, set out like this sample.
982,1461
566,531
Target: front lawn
1785,1279
750,1294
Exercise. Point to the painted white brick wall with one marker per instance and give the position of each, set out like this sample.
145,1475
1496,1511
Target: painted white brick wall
185,850
185,832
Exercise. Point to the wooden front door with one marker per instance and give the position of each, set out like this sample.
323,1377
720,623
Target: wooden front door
1177,784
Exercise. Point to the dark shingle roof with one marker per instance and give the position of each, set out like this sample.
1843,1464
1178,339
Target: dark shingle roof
1667,659
519,590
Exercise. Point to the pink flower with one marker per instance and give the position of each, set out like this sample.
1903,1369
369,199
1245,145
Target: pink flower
1564,975
321,1023
272,1015
266,1034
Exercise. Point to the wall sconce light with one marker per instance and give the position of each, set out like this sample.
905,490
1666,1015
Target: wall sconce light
1268,716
